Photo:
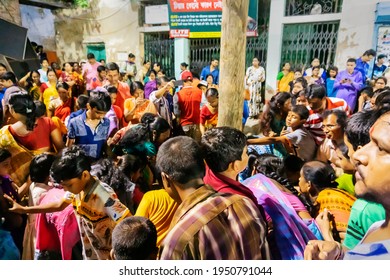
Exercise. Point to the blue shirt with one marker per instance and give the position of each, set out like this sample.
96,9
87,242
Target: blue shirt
362,67
378,71
75,114
330,91
90,141
2,94
206,71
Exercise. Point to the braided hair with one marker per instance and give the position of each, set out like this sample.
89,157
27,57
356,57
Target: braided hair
273,167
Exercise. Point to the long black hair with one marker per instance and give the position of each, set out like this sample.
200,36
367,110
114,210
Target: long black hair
275,107
22,103
273,167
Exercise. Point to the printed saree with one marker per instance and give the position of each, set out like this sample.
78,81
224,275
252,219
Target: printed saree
20,156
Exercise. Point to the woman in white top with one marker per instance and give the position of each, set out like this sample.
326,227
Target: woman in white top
255,75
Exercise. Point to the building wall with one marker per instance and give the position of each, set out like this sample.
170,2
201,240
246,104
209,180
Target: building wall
112,22
40,24
9,10
356,32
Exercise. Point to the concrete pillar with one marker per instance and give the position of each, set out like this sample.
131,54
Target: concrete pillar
355,32
275,34
182,53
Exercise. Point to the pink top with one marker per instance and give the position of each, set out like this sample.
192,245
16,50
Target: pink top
90,72
57,231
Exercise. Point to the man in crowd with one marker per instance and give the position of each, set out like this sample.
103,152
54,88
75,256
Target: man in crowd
363,63
372,181
123,90
348,83
319,103
211,69
379,66
207,225
186,107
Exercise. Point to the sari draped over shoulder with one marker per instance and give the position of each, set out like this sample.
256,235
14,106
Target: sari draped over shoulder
20,156
291,233
339,203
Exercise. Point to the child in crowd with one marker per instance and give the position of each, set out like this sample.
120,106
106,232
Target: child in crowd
81,106
134,238
299,85
332,73
11,222
302,100
297,74
365,96
209,112
90,129
39,174
296,136
95,203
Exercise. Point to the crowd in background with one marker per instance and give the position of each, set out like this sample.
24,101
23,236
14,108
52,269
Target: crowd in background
107,161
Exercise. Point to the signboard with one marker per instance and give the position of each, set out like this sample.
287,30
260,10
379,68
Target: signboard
156,14
383,46
203,18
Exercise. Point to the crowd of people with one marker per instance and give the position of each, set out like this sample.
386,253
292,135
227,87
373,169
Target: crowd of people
106,161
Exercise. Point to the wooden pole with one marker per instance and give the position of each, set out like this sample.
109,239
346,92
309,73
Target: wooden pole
232,62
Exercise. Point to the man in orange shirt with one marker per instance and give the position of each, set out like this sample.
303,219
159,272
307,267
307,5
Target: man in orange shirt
187,107
122,88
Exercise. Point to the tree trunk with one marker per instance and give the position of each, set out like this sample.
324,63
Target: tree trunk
232,62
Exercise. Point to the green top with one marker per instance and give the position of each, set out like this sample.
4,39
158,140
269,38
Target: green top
279,76
346,183
363,215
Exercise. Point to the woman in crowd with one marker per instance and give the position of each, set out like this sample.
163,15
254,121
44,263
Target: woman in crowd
32,83
315,77
141,74
284,78
255,75
317,183
209,112
273,118
210,82
151,84
136,105
50,90
62,106
27,137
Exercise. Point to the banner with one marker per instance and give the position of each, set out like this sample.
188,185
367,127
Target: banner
383,45
203,18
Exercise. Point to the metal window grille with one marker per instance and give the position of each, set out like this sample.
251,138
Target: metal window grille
160,48
202,50
303,42
312,7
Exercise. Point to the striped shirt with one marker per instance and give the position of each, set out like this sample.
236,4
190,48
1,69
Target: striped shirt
314,121
216,226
